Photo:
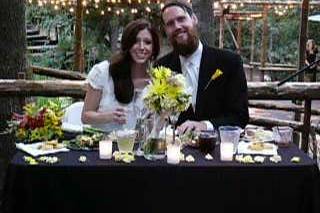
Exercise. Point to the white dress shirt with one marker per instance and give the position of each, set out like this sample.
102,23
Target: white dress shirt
190,67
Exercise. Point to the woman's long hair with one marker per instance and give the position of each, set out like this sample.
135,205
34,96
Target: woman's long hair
313,45
120,66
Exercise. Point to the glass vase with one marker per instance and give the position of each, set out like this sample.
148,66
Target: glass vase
155,144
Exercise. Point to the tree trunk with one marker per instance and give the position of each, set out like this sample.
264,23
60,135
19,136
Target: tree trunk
78,49
204,12
303,35
114,33
12,52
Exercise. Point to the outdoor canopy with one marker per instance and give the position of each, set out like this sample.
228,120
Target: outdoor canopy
314,18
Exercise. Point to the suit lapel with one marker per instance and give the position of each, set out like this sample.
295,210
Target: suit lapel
207,67
175,63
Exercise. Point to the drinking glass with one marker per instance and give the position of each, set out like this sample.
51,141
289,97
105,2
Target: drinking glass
207,141
125,140
229,137
174,116
282,135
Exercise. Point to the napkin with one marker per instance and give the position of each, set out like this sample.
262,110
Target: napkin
243,148
33,149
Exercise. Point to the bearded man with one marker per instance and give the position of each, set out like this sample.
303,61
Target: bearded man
216,76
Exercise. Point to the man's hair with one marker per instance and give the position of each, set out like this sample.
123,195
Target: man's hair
178,3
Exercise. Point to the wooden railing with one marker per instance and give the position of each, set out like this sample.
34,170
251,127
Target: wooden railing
256,69
76,87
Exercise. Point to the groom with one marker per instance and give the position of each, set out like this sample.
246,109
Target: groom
221,101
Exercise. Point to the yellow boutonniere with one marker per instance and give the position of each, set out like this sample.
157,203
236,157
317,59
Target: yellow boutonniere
214,76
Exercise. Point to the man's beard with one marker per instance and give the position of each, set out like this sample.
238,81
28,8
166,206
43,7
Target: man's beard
188,47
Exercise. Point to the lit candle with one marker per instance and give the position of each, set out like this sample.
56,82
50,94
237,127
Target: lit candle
105,149
173,153
226,151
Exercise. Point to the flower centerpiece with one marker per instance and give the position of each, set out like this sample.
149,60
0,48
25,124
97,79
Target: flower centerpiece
167,94
38,123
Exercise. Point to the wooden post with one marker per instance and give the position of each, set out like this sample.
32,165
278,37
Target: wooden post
239,35
306,125
263,56
302,50
232,35
221,31
253,36
78,49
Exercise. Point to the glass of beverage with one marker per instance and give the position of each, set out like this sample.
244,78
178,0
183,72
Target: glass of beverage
207,141
230,134
125,140
282,135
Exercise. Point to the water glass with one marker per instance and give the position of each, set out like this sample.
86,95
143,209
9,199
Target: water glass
229,137
282,135
230,134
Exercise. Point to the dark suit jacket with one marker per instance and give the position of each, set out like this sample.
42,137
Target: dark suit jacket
225,101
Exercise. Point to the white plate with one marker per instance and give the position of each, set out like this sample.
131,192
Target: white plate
261,135
33,149
243,148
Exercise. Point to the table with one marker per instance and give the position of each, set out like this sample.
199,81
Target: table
155,186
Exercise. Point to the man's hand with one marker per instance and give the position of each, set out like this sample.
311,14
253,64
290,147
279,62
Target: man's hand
191,125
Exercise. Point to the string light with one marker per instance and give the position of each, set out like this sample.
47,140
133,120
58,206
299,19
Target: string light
279,8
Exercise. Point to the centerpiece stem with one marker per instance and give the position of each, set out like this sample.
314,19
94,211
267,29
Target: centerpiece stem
174,134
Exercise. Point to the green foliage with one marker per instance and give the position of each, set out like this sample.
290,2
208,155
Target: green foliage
95,27
283,43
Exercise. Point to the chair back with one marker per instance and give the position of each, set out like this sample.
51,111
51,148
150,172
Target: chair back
72,113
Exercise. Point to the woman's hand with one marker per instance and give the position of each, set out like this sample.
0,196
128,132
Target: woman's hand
119,115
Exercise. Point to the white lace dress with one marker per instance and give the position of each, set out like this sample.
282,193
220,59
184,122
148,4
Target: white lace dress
99,78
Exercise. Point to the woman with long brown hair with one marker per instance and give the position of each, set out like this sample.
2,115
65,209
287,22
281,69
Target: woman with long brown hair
111,85
311,56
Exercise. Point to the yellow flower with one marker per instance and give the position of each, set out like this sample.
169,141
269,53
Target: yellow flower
166,92
216,74
161,73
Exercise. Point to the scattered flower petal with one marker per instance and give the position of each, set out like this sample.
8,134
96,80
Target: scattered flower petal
82,159
295,159
276,159
190,159
208,157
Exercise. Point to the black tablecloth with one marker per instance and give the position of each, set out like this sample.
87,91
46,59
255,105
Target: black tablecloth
155,186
